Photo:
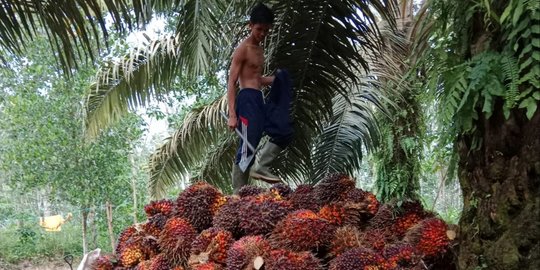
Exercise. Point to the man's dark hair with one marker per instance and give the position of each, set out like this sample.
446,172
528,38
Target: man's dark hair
261,14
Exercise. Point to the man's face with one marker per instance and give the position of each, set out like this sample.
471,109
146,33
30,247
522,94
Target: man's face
259,31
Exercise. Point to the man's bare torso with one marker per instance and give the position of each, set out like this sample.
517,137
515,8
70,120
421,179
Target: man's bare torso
252,66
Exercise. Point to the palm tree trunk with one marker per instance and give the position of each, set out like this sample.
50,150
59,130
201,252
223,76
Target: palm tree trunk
84,230
500,223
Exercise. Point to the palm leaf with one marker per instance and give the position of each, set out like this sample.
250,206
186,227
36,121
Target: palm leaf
121,84
74,28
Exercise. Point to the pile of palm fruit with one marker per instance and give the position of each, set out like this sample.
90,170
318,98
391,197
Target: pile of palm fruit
332,225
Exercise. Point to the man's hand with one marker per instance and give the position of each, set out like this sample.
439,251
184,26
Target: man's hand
232,122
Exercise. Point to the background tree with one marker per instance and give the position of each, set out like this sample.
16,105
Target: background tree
483,60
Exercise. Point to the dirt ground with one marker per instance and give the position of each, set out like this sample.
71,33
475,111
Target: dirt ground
51,264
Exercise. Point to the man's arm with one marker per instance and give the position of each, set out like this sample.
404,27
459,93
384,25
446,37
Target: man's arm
267,80
234,72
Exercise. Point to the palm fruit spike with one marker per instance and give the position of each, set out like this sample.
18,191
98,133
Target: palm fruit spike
358,259
302,230
375,239
198,204
144,265
124,237
259,214
410,213
429,237
342,213
283,190
226,217
345,238
159,262
367,199
209,266
132,254
103,262
245,251
400,255
213,243
303,197
155,224
333,188
284,259
175,240
250,190
163,206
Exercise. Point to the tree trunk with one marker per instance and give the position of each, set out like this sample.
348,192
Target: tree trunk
500,223
110,226
134,187
84,230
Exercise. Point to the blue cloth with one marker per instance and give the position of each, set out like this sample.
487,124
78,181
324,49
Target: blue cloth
257,116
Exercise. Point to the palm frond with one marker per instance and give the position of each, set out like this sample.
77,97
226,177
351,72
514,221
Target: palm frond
338,149
175,160
123,84
74,28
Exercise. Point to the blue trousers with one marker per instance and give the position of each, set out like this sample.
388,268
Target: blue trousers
257,117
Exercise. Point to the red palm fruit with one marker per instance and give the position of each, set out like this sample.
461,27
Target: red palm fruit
125,236
333,188
160,262
163,206
303,197
144,265
400,255
243,252
250,190
375,239
175,240
358,259
155,224
198,204
226,217
103,262
302,230
408,214
132,254
429,237
345,238
283,190
208,266
342,213
367,199
214,242
281,259
259,214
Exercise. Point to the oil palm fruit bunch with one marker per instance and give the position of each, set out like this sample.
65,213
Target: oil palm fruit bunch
281,259
164,207
259,214
333,187
244,252
344,238
213,243
175,240
250,190
132,254
104,262
358,259
430,237
226,217
303,197
342,213
400,255
198,204
302,230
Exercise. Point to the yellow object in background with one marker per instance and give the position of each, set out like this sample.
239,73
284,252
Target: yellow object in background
53,223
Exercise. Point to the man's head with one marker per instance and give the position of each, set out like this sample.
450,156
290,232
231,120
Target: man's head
260,21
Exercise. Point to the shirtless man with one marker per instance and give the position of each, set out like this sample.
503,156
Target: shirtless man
247,110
